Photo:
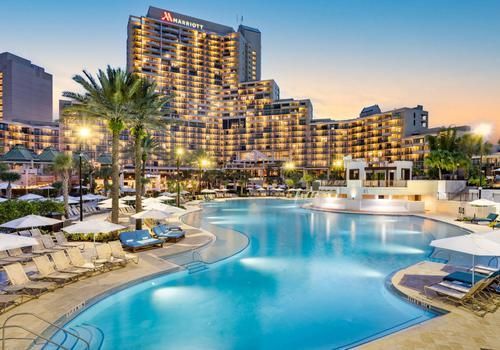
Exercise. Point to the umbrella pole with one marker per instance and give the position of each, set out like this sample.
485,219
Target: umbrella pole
473,269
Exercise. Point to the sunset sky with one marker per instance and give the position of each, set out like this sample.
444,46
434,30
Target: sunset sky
343,55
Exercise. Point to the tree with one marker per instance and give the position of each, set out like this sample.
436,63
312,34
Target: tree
63,164
146,112
107,97
104,172
201,160
9,177
149,146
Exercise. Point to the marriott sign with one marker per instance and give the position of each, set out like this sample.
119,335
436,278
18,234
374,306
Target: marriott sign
167,16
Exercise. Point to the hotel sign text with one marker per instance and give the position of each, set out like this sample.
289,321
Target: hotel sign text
167,16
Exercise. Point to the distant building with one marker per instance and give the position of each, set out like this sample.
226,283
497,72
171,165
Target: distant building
25,90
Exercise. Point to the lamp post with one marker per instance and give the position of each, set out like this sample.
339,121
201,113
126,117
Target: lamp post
84,133
178,152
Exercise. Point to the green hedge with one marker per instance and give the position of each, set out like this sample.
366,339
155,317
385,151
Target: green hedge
13,209
100,237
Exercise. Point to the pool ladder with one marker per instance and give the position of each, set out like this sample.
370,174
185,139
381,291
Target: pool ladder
82,337
196,264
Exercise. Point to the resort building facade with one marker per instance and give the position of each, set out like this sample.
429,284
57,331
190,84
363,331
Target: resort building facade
219,103
25,90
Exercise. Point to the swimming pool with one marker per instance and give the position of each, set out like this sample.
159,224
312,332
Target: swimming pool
308,280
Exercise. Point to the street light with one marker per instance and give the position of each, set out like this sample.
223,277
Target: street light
84,133
203,163
179,152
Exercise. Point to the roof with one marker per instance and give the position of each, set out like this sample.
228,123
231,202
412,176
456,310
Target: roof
19,153
48,155
104,159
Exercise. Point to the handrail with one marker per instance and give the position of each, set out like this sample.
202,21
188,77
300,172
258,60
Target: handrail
35,334
5,326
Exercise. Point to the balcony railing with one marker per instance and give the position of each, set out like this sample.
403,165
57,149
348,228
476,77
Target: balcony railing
384,183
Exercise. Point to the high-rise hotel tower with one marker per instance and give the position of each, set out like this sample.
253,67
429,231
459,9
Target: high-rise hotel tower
218,101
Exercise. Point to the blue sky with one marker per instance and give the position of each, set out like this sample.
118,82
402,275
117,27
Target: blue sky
342,54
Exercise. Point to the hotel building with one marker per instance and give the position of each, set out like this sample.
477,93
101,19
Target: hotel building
219,104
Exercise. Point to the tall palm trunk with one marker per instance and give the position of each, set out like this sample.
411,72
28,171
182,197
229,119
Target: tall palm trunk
143,174
8,191
65,191
138,178
115,175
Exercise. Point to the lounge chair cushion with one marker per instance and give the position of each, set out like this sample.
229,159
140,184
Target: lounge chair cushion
464,277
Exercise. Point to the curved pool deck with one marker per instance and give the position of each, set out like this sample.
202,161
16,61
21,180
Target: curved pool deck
457,329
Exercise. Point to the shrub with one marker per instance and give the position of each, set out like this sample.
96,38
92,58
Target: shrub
13,209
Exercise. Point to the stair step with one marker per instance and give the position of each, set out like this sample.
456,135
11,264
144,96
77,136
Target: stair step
198,269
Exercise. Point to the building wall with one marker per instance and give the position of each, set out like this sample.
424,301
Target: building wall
27,90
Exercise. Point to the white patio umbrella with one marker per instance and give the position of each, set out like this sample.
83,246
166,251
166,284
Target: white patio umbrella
92,197
165,198
30,221
10,241
3,199
48,187
4,185
71,200
129,198
31,197
168,193
185,192
472,244
207,191
164,207
482,203
93,227
107,204
152,214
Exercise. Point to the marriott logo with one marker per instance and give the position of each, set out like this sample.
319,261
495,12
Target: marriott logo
167,16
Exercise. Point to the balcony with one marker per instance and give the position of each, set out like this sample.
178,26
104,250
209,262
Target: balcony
384,183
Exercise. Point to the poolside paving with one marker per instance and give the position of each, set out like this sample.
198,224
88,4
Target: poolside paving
64,301
458,329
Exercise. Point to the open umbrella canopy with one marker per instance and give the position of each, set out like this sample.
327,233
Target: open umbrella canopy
3,199
30,221
31,197
10,241
152,214
207,191
129,198
4,185
71,200
48,187
185,192
168,193
92,197
473,244
107,204
93,226
164,207
165,198
482,203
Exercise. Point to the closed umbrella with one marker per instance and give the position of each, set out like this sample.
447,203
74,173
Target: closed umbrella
473,244
30,221
10,241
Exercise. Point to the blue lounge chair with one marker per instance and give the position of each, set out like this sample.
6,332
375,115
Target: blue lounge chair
139,239
464,277
489,219
169,233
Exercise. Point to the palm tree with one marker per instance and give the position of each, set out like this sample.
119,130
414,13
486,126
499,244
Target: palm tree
9,177
63,163
146,112
107,97
440,160
149,146
200,159
104,172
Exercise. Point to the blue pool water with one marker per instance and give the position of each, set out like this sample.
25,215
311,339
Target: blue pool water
308,280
